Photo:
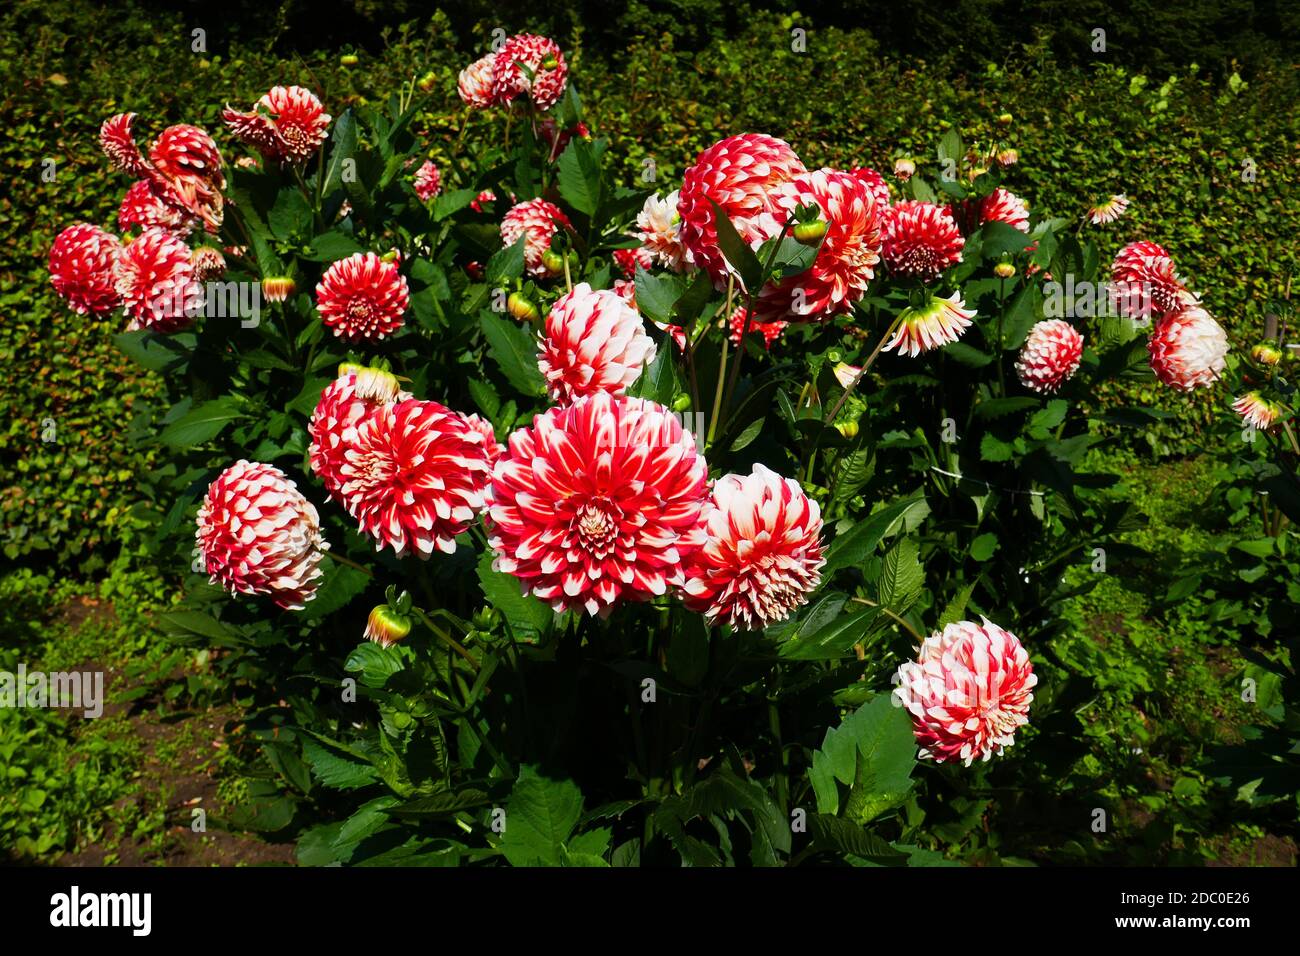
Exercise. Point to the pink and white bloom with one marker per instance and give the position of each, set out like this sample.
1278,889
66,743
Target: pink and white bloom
154,275
593,341
1147,283
287,125
1050,355
343,405
1188,349
933,325
539,221
81,269
362,297
1108,211
1257,411
428,181
660,230
920,240
475,83
543,59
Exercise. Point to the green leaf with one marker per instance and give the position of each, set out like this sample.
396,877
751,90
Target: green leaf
841,836
343,140
998,239
659,381
336,768
993,448
736,250
540,815
200,424
656,295
833,640
982,548
332,246
750,432
150,350
452,202
852,547
951,147
290,216
998,407
1026,308
1048,418
374,663
341,584
514,349
967,355
440,804
529,618
956,608
579,177
507,264
874,752
901,576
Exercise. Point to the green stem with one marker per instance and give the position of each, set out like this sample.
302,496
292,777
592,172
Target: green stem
445,637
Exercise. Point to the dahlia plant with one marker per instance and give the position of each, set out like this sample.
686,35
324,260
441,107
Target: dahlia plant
689,496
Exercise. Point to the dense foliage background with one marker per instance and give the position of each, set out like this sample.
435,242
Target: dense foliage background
1175,124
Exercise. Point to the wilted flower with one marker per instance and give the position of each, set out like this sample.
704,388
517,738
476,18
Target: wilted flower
597,503
968,691
762,552
81,269
1188,349
258,535
593,341
904,169
931,326
920,240
362,297
1050,355
183,168
292,128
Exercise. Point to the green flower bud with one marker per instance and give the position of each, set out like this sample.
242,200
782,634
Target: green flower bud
386,626
522,308
810,233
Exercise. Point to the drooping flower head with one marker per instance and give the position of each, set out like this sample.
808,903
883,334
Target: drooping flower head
920,240
362,297
593,341
344,403
1258,411
183,169
428,181
1108,211
1146,282
741,174
848,254
931,326
598,503
1188,349
904,169
258,535
386,627
81,269
142,208
155,277
292,128
414,476
542,58
762,551
660,230
475,83
968,692
1050,355
539,221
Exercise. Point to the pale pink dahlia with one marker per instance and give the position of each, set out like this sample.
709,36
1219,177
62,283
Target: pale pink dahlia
920,240
344,403
875,183
183,168
1050,355
414,476
628,259
771,331
291,129
968,691
475,83
660,230
537,220
543,59
762,551
1146,281
931,326
848,255
362,297
142,207
258,535
741,174
593,341
428,181
81,268
154,274
1108,211
1188,349
597,503
1257,411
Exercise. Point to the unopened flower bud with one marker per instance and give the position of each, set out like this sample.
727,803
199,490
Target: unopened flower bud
522,307
904,169
208,263
810,233
386,626
349,59
392,255
1004,270
1266,353
427,82
549,62
848,429
845,373
474,270
553,262
1008,157
278,288
681,403
1004,119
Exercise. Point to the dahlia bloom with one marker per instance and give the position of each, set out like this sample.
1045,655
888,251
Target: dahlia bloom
848,254
154,275
1050,355
762,551
258,535
933,325
998,206
659,228
344,403
771,331
362,297
593,341
741,174
291,130
1188,349
1257,411
628,259
1146,281
183,169
968,691
1108,211
475,83
414,476
278,288
920,240
598,503
428,181
81,269
142,207
493,448
904,169
537,220
545,61
483,198
209,264
875,184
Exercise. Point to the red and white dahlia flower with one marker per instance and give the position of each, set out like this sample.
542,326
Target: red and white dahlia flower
155,277
660,230
848,254
762,551
343,405
875,184
81,269
598,503
258,535
1147,283
493,448
998,206
475,83
544,60
1258,411
920,240
142,207
414,476
362,297
183,168
593,341
771,331
741,174
537,220
1108,211
933,325
1188,349
1050,355
292,128
968,691
428,181
628,259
